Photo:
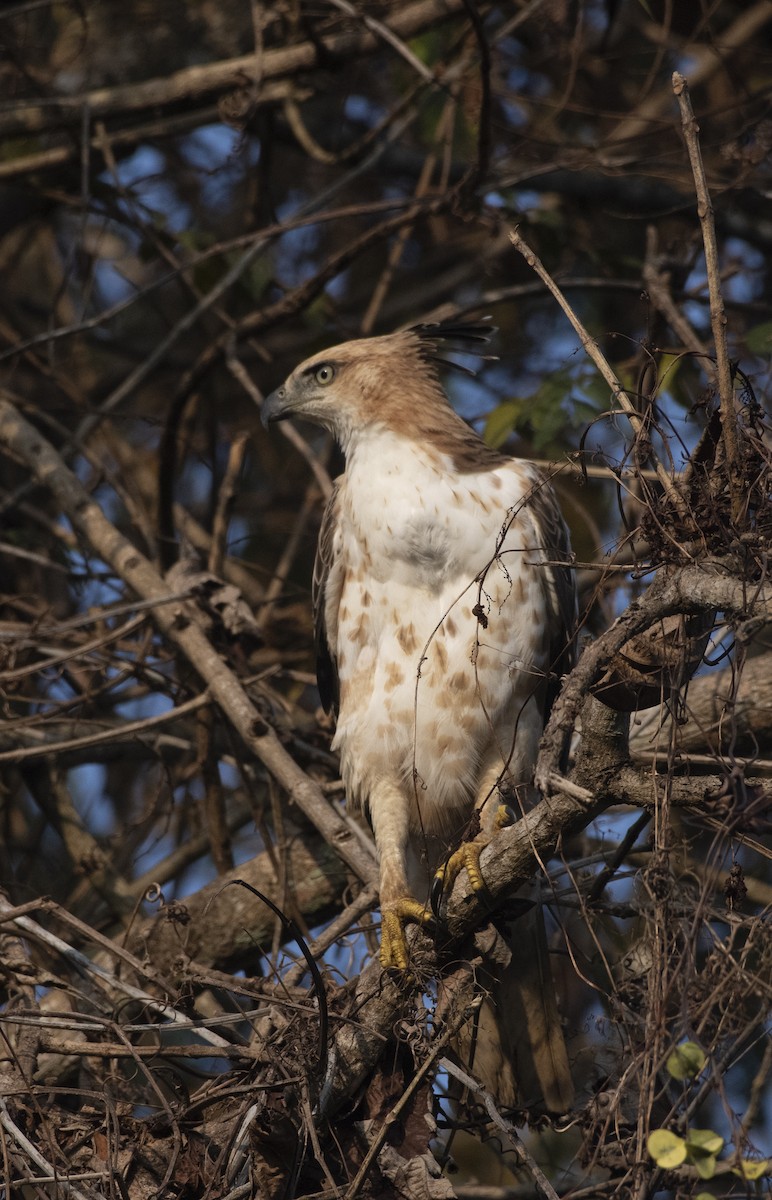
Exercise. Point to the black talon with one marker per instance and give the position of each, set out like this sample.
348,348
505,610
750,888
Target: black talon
437,893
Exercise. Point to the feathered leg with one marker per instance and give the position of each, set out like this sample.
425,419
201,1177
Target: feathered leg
389,811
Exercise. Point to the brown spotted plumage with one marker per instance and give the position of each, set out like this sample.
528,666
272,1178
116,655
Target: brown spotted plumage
444,605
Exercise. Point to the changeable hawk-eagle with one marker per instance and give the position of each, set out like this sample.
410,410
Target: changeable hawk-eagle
445,606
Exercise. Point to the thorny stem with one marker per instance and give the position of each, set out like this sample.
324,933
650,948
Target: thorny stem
717,313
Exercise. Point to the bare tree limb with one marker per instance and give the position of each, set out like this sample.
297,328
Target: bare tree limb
686,590
202,80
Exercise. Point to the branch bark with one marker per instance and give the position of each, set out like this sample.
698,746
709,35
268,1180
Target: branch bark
722,712
194,82
687,590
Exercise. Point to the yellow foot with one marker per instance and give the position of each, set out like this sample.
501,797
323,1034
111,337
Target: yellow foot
468,856
394,917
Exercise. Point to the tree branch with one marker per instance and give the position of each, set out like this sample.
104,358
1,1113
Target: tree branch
180,624
590,345
686,590
717,313
201,80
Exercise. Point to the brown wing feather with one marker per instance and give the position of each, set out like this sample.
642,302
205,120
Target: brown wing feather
326,586
560,583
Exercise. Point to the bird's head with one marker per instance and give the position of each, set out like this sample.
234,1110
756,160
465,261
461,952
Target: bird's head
380,383
354,385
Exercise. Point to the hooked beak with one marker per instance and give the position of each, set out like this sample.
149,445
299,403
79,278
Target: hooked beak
273,407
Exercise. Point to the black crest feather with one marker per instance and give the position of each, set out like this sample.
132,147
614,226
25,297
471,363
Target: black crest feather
469,336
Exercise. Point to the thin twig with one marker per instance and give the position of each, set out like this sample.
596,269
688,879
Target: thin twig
340,925
387,35
400,241
659,293
117,732
47,467
205,78
717,313
304,219
594,352
224,502
478,172
376,1145
81,651
112,981
541,1182
23,1142
240,373
690,590
288,556
707,58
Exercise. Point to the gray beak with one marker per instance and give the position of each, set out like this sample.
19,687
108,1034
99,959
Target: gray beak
272,408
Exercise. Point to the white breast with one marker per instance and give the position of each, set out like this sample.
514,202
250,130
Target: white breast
428,689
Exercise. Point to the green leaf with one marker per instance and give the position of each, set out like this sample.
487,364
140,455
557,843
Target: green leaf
504,419
759,339
668,366
195,240
14,148
751,1168
159,218
705,1166
426,47
666,1148
704,1141
704,1196
686,1061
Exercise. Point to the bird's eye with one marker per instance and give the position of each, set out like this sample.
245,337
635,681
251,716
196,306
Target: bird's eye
324,374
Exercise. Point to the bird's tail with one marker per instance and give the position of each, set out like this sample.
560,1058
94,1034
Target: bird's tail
516,1046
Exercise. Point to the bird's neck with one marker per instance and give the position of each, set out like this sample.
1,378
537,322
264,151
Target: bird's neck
433,436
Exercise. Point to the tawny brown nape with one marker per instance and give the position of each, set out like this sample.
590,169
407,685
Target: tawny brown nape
393,380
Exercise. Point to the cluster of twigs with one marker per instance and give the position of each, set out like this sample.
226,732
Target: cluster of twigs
190,1003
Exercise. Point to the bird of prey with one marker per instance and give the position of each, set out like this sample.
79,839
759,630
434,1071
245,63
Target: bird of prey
444,606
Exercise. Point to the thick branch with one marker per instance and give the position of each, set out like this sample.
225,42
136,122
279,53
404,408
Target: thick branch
229,927
202,80
722,712
687,590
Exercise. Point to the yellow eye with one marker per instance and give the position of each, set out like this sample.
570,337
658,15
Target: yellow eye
324,374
